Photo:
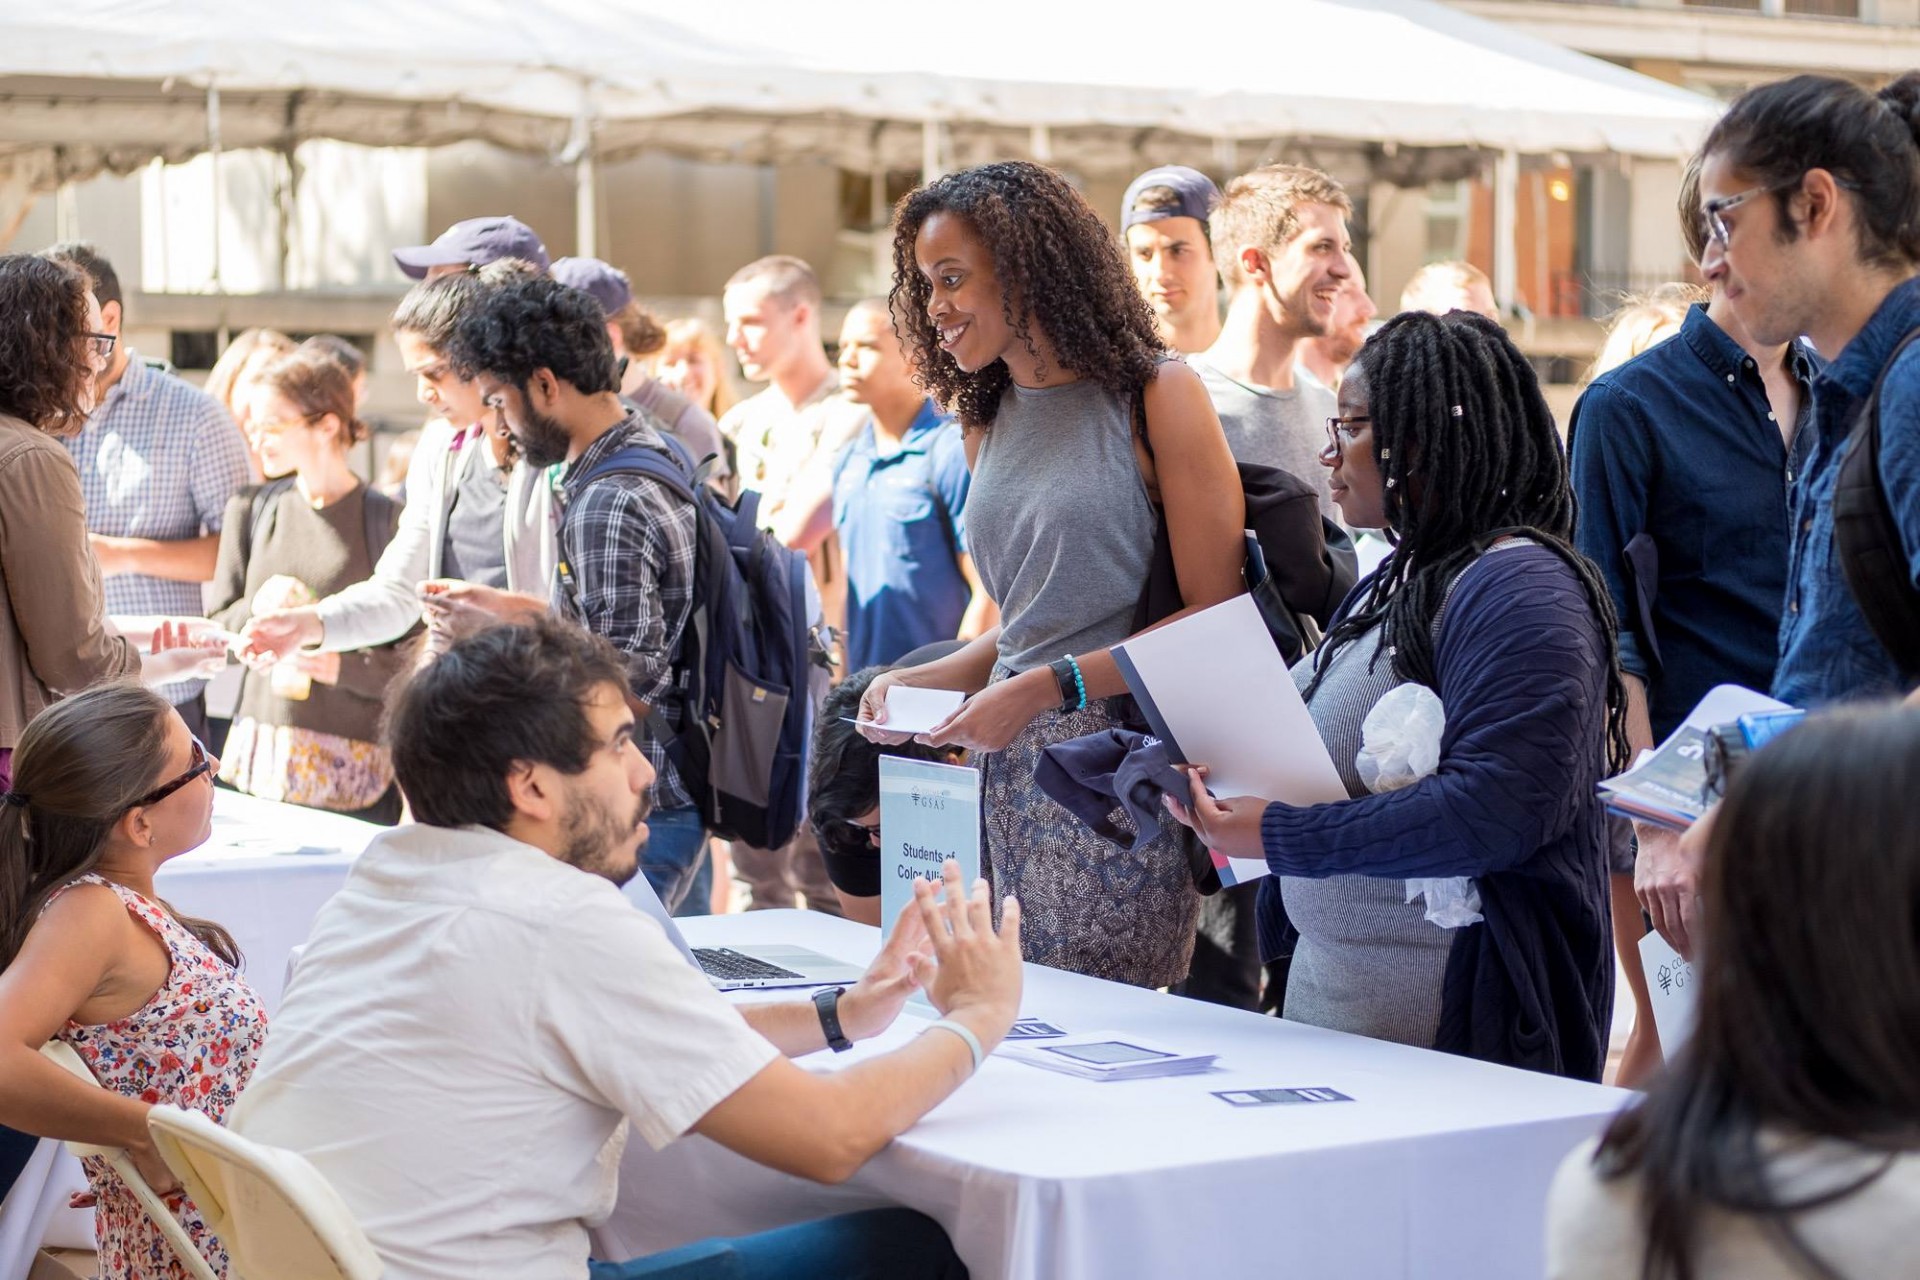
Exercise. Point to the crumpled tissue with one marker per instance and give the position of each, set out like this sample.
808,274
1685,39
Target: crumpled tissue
1399,745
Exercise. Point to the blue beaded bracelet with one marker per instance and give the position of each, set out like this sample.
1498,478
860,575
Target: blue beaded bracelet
1079,682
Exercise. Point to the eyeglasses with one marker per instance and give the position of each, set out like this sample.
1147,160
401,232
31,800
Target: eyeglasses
100,345
276,426
1342,432
848,834
202,762
1717,229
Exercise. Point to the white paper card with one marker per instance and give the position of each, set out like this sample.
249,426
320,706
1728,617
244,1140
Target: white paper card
1221,693
911,710
1671,989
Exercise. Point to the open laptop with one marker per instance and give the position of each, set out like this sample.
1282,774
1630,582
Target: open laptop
748,966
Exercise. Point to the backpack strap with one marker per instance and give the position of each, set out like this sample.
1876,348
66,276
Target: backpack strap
1868,539
260,515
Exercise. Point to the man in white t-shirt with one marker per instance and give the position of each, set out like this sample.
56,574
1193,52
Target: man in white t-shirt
480,1014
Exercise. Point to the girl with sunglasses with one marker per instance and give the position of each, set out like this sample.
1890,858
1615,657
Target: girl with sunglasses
107,787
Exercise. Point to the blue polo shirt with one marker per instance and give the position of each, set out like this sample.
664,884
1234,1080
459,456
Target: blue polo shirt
1827,651
1680,444
902,529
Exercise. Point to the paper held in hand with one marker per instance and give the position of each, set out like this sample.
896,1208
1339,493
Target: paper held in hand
1215,689
912,710
1667,787
1671,991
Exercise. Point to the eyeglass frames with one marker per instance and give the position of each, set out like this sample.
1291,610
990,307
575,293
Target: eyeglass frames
100,345
1717,229
202,762
1342,432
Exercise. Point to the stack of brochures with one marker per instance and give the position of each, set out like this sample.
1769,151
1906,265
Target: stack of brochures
1668,787
1107,1055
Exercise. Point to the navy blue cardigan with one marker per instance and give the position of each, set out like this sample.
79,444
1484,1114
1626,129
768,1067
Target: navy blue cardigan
1522,667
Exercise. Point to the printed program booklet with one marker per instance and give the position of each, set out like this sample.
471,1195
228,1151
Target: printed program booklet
1668,787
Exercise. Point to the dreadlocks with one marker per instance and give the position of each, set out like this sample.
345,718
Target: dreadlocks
1469,453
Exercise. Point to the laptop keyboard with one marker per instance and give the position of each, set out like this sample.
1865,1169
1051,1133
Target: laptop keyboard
723,962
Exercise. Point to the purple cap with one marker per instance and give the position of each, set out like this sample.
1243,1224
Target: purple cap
608,284
475,242
1197,195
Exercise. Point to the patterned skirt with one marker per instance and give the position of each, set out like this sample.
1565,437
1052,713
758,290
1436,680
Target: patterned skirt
1086,905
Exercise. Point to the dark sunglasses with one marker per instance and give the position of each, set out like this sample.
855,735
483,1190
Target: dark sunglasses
846,833
201,764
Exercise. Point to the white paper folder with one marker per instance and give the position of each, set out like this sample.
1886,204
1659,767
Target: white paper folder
1215,689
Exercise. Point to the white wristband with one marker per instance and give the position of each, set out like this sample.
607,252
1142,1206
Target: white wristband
972,1041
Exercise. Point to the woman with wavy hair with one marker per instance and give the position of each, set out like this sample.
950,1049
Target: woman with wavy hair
108,786
1023,320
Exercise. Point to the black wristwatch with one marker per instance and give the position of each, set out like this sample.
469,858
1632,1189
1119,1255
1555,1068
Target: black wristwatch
827,1001
1069,687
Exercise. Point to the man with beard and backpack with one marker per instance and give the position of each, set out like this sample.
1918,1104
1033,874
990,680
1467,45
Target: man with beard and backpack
716,619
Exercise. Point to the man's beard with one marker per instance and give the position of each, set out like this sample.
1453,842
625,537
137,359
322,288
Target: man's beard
542,440
594,839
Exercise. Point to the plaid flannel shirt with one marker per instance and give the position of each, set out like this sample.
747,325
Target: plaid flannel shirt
628,546
158,459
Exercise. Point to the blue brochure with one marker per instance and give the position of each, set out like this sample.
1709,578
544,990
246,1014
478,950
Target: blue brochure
928,813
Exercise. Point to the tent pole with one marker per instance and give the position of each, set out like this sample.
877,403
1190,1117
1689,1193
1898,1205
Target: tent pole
1506,204
213,149
930,151
1040,142
586,183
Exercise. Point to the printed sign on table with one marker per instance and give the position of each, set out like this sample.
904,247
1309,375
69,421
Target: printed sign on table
928,813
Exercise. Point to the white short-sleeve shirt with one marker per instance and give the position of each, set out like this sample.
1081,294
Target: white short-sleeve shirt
464,1042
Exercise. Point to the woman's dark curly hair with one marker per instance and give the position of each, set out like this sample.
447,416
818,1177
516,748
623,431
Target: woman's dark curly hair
1457,414
1060,274
44,373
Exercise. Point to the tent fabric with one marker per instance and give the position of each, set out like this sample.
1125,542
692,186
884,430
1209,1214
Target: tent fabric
103,84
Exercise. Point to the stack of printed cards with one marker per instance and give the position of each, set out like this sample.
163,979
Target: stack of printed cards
1106,1055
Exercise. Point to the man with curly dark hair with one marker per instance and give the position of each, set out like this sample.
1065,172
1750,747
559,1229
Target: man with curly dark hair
1081,430
540,353
1280,239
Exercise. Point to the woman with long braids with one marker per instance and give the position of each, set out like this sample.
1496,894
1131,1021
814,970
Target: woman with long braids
1023,320
1444,439
107,786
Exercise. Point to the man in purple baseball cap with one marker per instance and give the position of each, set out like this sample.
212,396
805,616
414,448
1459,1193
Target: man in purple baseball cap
1164,219
473,243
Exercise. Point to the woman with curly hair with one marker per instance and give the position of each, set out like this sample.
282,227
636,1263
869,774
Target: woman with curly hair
54,635
1023,320
1444,438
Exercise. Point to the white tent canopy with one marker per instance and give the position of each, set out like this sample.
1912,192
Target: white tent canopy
106,83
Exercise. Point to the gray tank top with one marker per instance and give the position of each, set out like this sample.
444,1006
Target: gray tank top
1058,521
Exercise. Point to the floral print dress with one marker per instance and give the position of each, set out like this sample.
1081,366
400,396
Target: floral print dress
194,1044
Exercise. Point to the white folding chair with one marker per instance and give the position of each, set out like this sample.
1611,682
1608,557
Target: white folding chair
122,1166
276,1214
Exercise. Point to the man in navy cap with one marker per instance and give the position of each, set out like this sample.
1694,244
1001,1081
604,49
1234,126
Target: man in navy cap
1164,219
635,334
473,243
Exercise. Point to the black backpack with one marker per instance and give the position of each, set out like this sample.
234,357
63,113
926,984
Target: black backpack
751,668
1300,565
1868,538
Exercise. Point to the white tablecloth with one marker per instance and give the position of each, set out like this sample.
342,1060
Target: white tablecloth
1439,1167
263,874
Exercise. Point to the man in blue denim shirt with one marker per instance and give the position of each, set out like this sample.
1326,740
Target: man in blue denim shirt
1687,451
1809,191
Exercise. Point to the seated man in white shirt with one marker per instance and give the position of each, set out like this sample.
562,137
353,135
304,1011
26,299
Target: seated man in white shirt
480,1013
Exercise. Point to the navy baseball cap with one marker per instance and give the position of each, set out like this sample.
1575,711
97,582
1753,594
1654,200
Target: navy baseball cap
1197,195
608,284
475,242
